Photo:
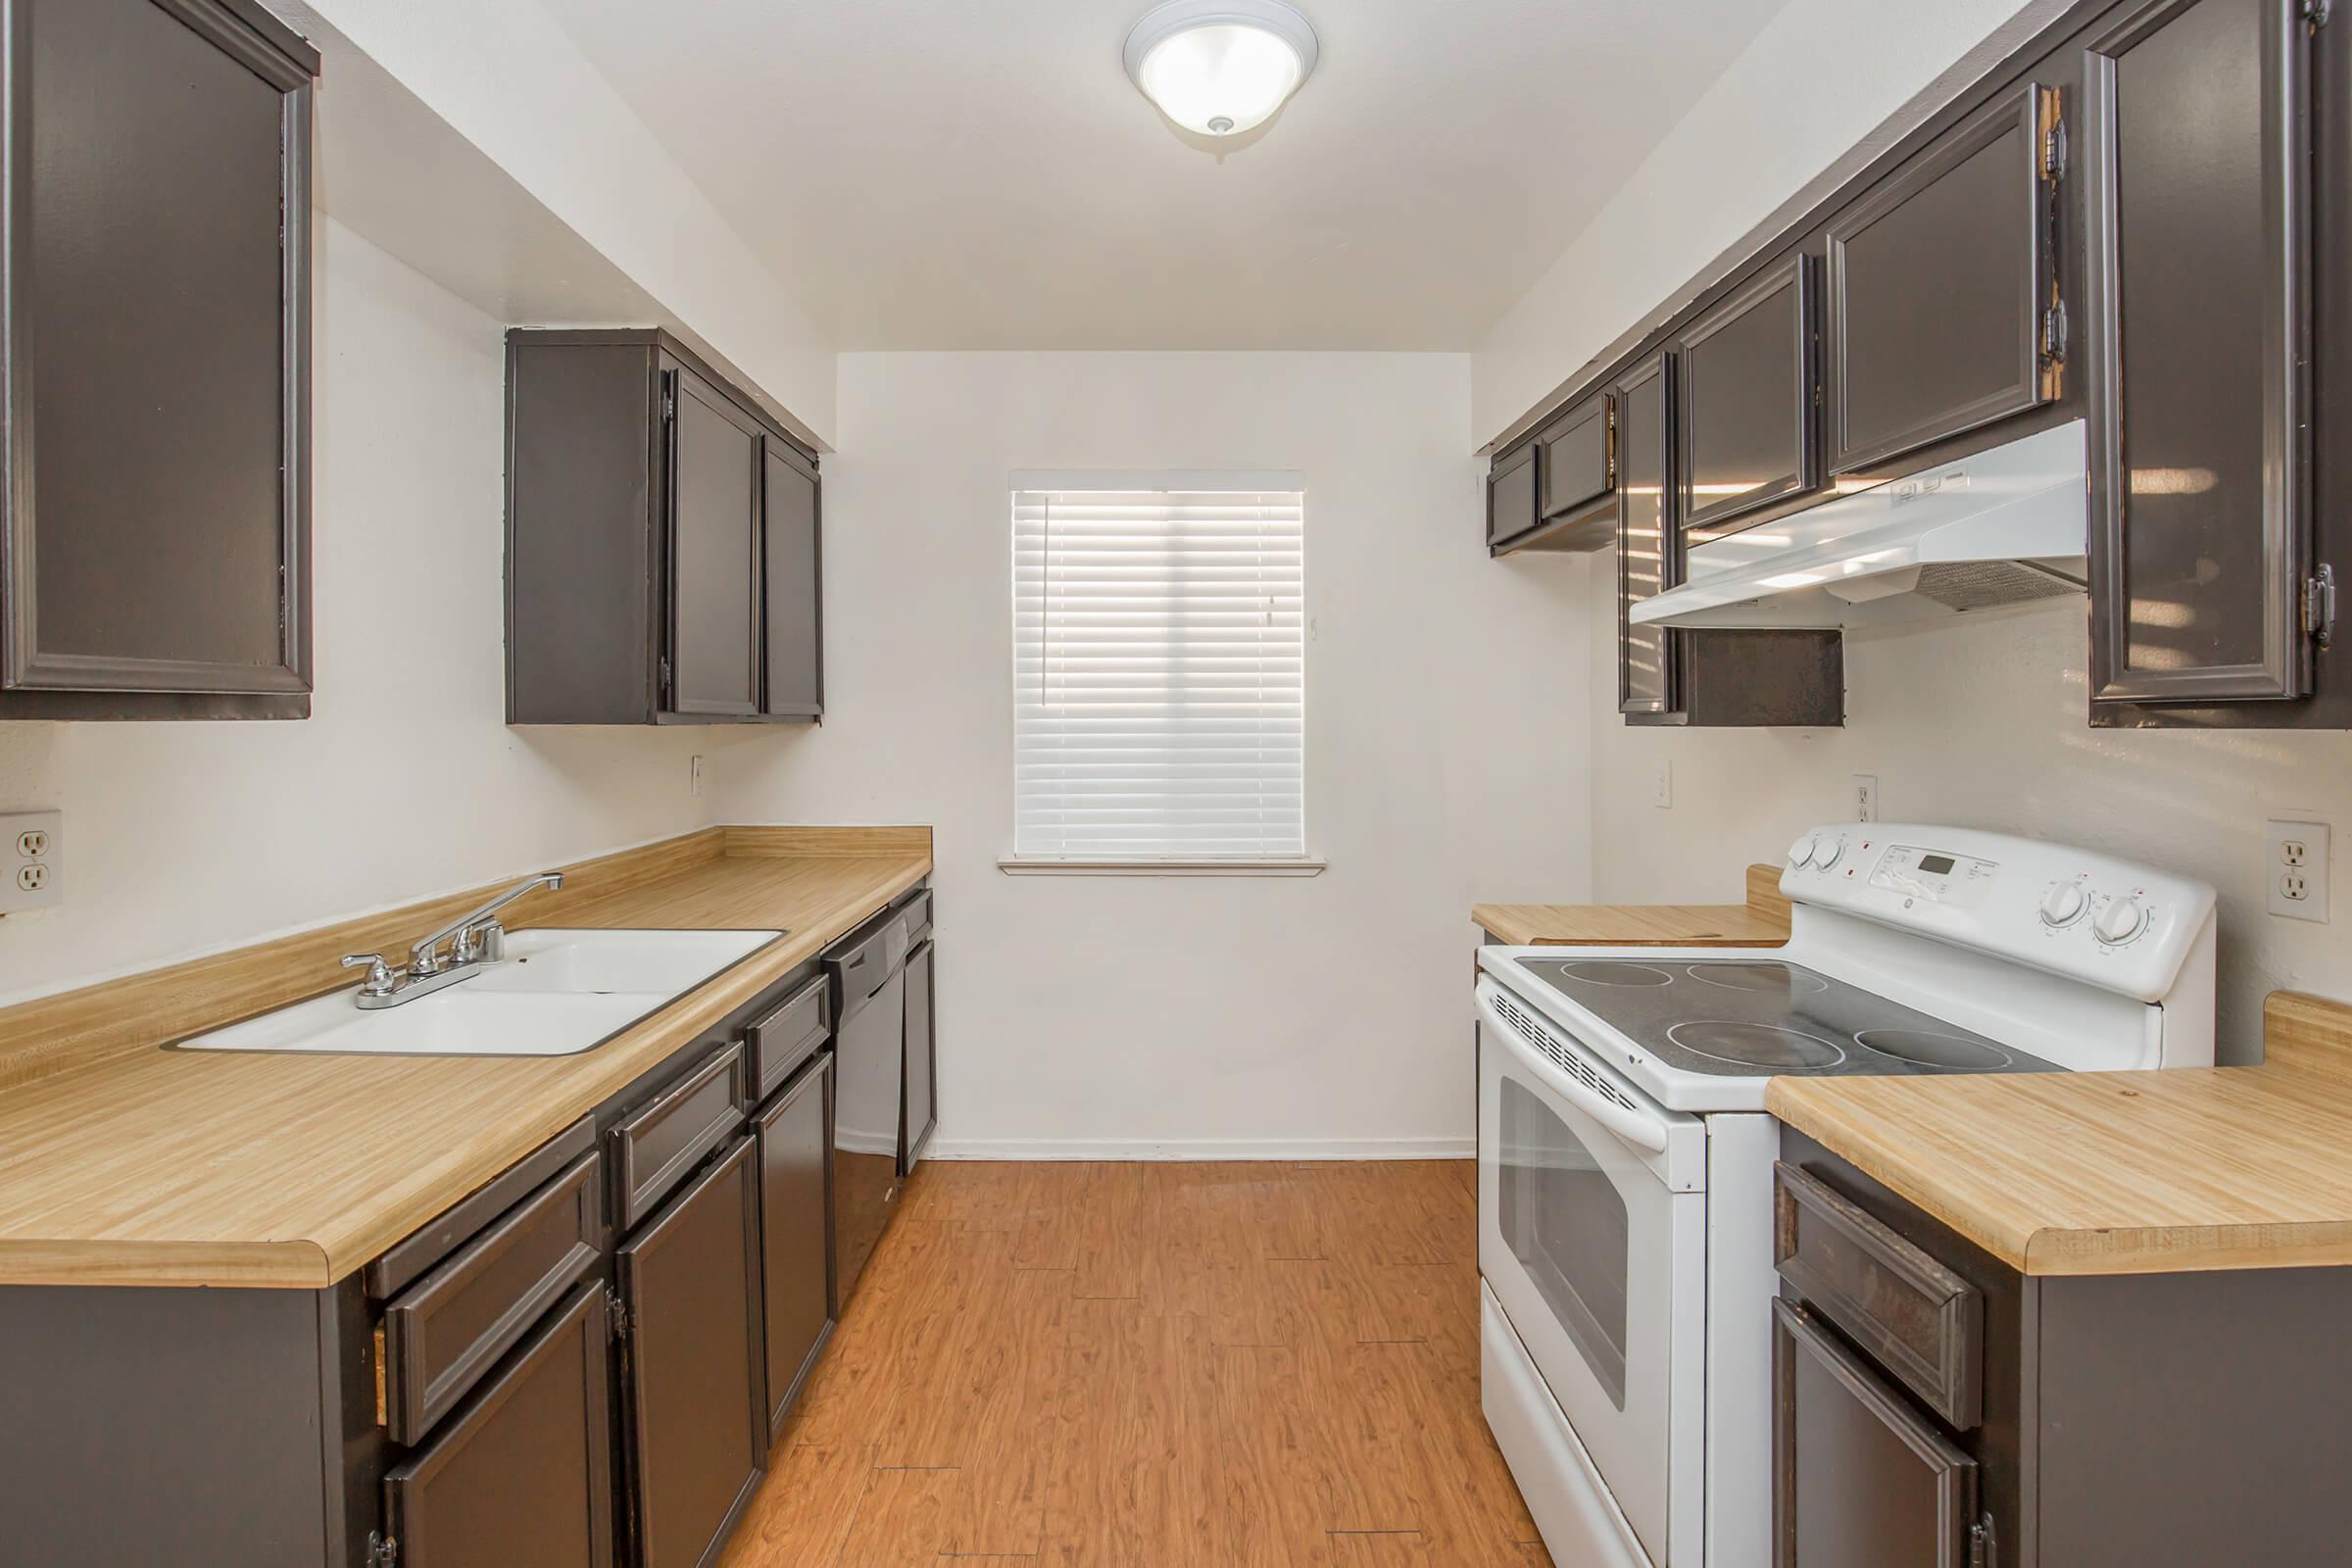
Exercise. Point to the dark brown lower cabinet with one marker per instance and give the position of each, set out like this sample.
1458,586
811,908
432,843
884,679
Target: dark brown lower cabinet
918,1113
523,1478
796,1239
691,1364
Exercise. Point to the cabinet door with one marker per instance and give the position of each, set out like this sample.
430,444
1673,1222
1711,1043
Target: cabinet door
1860,1479
158,351
796,1234
691,1358
523,1478
1645,536
715,473
1749,397
1937,285
919,1116
1579,465
2196,133
1511,499
791,554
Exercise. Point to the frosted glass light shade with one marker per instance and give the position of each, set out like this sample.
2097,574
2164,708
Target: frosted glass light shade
1219,68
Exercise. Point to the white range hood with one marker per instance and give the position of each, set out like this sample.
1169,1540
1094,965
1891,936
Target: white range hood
2000,527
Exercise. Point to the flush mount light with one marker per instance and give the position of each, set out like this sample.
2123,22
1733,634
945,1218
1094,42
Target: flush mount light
1220,66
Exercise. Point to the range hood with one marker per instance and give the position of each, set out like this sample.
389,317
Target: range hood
2002,527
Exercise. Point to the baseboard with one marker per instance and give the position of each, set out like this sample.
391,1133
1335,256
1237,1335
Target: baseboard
1201,1149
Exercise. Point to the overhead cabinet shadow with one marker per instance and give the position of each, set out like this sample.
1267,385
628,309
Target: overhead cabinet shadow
662,541
156,562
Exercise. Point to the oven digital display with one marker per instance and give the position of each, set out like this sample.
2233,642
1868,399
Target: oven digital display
1936,864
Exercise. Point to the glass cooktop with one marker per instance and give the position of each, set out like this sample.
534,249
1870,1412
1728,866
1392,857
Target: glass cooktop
1759,1017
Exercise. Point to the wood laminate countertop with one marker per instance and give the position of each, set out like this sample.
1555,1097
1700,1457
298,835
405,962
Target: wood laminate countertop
125,1164
1761,922
2120,1173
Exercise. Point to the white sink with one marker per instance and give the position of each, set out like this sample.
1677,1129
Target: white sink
555,994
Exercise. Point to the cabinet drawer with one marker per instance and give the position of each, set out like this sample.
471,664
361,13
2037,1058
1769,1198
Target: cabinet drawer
789,1036
1921,1321
660,1146
448,1329
470,1215
916,913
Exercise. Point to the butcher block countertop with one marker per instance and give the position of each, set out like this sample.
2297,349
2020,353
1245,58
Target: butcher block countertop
1761,922
2123,1173
125,1164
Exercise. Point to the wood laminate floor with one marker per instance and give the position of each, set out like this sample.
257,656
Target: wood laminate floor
1158,1365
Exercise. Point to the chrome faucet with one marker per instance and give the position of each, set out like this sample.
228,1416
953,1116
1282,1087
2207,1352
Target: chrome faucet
474,938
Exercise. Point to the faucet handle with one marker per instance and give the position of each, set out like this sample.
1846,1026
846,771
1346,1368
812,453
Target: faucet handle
380,974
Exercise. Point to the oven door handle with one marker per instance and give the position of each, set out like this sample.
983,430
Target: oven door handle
1630,1126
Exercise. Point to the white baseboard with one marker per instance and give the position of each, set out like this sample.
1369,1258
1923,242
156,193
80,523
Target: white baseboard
1235,1148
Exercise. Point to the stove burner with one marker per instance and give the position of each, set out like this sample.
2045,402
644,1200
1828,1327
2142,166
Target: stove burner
1762,978
1755,1045
1925,1049
1601,972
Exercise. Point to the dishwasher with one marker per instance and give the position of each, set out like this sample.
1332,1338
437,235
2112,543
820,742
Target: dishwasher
868,973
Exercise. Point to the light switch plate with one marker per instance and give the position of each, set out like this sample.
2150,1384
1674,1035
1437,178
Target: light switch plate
1661,787
2295,862
32,848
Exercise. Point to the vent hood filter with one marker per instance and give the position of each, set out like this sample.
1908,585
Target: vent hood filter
2005,527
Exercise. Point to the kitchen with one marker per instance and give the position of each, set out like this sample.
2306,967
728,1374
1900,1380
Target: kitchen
1189,1268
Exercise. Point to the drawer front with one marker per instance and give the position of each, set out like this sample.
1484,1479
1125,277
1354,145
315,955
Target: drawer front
789,1036
1579,466
916,913
1922,1322
451,1327
659,1147
408,1260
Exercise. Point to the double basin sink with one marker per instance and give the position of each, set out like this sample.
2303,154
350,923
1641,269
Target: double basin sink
555,994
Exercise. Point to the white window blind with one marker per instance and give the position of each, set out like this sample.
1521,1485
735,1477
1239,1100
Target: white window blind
1158,674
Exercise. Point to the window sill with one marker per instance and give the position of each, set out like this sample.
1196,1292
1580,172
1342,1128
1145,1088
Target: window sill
1039,866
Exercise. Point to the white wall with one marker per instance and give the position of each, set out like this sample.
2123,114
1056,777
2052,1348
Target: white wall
1819,78
404,781
1448,706
1982,721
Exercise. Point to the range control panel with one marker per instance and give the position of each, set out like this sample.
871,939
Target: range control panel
2114,923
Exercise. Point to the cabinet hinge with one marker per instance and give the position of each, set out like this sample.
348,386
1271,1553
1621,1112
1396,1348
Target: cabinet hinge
382,1550
1983,1550
616,1314
2316,12
2053,333
2054,150
2319,605
663,668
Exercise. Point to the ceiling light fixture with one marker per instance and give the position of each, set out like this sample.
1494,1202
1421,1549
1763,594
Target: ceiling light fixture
1219,68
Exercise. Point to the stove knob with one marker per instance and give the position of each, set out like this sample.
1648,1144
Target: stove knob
2120,921
1826,852
1801,851
2062,904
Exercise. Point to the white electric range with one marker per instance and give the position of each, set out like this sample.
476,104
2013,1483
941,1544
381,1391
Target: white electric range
1625,1158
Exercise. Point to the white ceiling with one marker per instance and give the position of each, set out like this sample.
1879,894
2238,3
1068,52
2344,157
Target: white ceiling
981,174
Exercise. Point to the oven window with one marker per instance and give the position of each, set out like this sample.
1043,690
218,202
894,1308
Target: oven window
1564,1220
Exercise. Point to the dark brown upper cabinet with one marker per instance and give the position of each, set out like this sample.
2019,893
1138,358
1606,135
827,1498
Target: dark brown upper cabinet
1750,399
1645,536
662,540
1702,680
157,506
2197,132
1943,314
1514,507
1560,491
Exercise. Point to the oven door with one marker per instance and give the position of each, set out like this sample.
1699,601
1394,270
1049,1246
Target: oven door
1599,1262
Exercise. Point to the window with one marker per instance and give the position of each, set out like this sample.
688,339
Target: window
1158,670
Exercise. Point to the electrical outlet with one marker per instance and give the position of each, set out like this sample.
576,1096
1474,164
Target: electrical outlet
1661,787
2294,869
694,777
32,850
1866,796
